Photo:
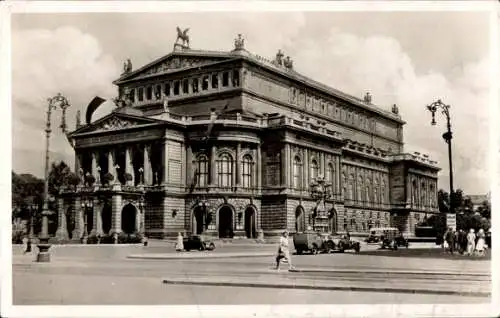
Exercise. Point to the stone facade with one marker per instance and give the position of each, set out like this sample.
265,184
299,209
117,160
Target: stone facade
228,144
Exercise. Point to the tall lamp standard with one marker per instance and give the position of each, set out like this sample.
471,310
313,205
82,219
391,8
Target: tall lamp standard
32,208
87,204
447,136
44,246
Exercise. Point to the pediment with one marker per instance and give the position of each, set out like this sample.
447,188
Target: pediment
114,122
173,62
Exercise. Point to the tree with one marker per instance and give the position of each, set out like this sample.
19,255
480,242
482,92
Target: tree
457,199
443,201
485,209
59,175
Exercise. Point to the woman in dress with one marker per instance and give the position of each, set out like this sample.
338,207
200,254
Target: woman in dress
179,245
283,252
471,242
480,242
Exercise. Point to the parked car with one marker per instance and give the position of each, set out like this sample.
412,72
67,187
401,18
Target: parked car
313,242
344,242
393,238
198,242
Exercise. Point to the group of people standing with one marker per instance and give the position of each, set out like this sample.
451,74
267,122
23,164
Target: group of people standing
465,243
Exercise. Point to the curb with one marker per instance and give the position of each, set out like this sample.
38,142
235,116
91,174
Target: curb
372,271
328,288
198,256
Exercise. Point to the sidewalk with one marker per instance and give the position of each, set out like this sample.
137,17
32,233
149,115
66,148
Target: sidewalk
280,281
204,255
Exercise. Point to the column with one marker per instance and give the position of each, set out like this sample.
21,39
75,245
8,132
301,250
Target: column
78,165
283,170
306,170
189,165
143,219
165,160
62,229
137,220
116,217
94,171
183,162
129,168
322,167
98,217
289,166
238,165
77,210
259,168
338,176
111,164
147,165
213,177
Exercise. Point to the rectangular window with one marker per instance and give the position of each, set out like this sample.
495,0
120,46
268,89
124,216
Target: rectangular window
149,93
140,94
225,79
215,80
204,83
185,86
236,78
202,171
177,85
195,85
225,172
167,89
158,91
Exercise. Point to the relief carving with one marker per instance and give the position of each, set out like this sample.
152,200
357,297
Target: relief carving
115,123
178,63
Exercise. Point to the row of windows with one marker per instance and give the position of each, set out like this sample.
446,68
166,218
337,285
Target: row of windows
186,86
224,171
314,173
427,198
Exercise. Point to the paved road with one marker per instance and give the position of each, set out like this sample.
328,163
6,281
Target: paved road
103,275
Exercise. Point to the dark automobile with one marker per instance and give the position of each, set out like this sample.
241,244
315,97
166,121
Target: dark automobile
198,242
393,240
344,242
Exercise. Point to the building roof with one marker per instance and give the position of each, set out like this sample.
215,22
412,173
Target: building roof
242,54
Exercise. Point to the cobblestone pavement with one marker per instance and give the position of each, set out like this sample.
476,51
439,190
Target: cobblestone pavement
103,275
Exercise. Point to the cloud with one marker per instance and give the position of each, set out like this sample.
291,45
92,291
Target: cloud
378,64
44,63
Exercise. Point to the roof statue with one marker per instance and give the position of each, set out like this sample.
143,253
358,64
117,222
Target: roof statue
288,62
165,102
395,109
279,58
78,119
368,98
127,66
182,35
239,43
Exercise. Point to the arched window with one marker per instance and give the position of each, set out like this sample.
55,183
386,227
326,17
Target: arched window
359,189
432,195
314,170
423,191
414,192
246,171
330,175
351,187
225,171
382,192
297,173
375,192
202,171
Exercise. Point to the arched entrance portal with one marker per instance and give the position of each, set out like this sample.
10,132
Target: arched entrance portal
106,217
89,219
332,221
225,222
198,220
250,222
300,220
128,219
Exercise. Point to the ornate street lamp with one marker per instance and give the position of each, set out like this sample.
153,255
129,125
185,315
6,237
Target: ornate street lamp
87,203
44,246
33,207
142,226
447,136
320,191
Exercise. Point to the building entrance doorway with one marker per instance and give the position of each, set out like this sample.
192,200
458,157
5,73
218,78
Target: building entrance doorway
332,221
198,220
129,214
225,222
300,220
106,217
250,222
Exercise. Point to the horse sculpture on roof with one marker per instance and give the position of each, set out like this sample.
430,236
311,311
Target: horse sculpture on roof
182,35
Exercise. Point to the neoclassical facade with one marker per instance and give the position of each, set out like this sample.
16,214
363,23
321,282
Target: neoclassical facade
228,143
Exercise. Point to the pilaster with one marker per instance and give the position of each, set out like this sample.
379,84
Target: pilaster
98,219
62,232
77,210
189,165
116,220
213,177
147,165
165,160
259,168
237,168
129,168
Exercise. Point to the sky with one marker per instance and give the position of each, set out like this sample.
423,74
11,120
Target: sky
406,58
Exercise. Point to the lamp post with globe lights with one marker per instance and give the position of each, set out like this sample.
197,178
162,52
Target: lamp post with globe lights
320,191
44,246
447,136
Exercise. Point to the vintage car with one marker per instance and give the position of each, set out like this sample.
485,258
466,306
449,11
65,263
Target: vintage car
313,242
343,242
393,238
198,242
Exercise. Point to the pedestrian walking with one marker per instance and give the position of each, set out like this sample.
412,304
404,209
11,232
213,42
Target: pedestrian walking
471,242
462,241
283,254
179,245
446,240
480,245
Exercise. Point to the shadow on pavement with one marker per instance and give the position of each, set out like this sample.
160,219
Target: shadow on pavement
426,253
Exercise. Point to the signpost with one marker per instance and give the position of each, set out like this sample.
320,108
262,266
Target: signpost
451,220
